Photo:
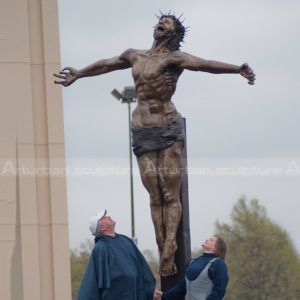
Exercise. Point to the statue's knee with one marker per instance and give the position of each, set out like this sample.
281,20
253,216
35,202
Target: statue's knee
169,198
155,200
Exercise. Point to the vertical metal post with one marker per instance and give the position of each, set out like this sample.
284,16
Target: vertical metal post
129,96
131,176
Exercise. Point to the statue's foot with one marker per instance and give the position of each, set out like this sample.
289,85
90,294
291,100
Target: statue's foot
168,266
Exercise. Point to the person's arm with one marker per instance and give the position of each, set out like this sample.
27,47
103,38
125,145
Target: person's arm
176,293
219,275
97,276
193,63
70,75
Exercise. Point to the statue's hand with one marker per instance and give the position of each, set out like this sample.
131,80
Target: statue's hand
247,72
68,76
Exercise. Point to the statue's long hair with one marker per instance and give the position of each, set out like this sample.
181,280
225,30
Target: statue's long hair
180,31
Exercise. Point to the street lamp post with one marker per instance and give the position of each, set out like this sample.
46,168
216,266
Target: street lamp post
129,96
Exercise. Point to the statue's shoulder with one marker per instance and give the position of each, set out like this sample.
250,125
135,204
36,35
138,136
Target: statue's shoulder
127,54
176,54
174,57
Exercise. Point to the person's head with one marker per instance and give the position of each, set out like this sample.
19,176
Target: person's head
216,245
102,223
169,27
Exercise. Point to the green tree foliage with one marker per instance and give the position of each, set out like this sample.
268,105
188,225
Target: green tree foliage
79,260
263,263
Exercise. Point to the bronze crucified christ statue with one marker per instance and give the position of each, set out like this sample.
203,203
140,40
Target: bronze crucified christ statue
157,132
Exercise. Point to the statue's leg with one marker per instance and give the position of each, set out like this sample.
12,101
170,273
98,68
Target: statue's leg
148,169
170,164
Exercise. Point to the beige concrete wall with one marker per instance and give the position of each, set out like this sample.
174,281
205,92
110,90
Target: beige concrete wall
34,250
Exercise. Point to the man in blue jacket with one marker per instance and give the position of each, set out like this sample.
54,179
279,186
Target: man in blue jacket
116,269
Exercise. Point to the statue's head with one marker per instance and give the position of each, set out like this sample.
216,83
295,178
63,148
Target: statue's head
169,27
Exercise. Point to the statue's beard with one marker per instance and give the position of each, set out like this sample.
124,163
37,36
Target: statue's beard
166,36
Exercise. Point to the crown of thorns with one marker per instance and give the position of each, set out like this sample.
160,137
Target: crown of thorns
180,29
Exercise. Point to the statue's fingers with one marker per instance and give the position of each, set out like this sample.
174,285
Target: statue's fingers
66,69
64,73
59,76
59,82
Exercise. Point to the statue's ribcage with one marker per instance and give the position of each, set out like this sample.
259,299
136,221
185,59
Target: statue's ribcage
161,87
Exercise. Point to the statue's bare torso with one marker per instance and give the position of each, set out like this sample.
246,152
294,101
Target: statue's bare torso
155,82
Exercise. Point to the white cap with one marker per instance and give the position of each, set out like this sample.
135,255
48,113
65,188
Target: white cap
94,221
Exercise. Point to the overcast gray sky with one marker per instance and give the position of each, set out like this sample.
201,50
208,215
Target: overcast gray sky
241,139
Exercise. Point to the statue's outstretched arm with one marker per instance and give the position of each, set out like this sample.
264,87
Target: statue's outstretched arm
193,63
69,75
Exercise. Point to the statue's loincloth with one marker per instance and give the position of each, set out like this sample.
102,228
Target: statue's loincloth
145,139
